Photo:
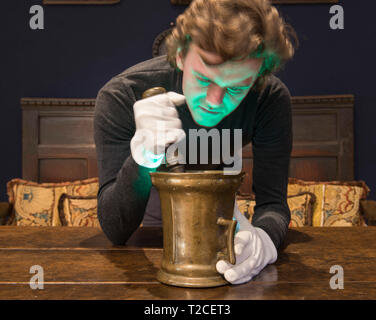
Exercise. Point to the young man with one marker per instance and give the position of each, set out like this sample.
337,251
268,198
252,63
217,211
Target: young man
218,74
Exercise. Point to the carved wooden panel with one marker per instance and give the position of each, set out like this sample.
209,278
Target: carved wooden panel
323,134
186,2
58,140
64,169
80,1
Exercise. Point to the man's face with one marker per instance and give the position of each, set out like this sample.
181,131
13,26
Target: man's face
214,88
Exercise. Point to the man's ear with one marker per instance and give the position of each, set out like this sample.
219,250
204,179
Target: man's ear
180,59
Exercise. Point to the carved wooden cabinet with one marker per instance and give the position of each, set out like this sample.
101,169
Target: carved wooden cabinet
323,140
58,142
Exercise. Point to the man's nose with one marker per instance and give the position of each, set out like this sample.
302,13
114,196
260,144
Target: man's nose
215,94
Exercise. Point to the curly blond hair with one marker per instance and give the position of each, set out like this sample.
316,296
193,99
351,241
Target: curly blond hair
235,29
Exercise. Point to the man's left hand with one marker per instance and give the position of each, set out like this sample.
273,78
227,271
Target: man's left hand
253,250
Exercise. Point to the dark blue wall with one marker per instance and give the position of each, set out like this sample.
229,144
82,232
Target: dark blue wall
82,47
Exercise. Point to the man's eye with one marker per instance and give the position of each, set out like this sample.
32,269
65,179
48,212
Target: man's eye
203,81
234,90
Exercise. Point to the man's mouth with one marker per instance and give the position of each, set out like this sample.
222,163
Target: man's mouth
208,111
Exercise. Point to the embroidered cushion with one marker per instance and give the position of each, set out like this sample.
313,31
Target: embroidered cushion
300,207
37,204
76,211
337,203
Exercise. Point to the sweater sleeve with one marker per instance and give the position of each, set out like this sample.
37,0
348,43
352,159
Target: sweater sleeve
124,186
272,144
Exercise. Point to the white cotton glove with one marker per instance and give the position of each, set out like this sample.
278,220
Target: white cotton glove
157,126
253,250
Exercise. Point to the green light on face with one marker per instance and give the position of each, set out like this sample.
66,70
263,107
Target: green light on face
203,82
229,104
236,90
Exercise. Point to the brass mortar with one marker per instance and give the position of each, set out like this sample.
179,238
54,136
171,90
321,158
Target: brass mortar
198,229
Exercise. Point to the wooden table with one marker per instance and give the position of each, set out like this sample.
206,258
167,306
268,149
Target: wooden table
80,263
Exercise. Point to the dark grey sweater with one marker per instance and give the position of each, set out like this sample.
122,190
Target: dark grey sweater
126,197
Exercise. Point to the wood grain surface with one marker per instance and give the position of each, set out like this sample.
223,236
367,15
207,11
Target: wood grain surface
80,263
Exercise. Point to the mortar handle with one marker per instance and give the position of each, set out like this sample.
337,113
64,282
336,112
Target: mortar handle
231,227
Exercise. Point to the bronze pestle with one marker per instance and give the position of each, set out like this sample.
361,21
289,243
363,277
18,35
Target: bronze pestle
174,166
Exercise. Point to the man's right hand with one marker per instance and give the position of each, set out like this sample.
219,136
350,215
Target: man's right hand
157,126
